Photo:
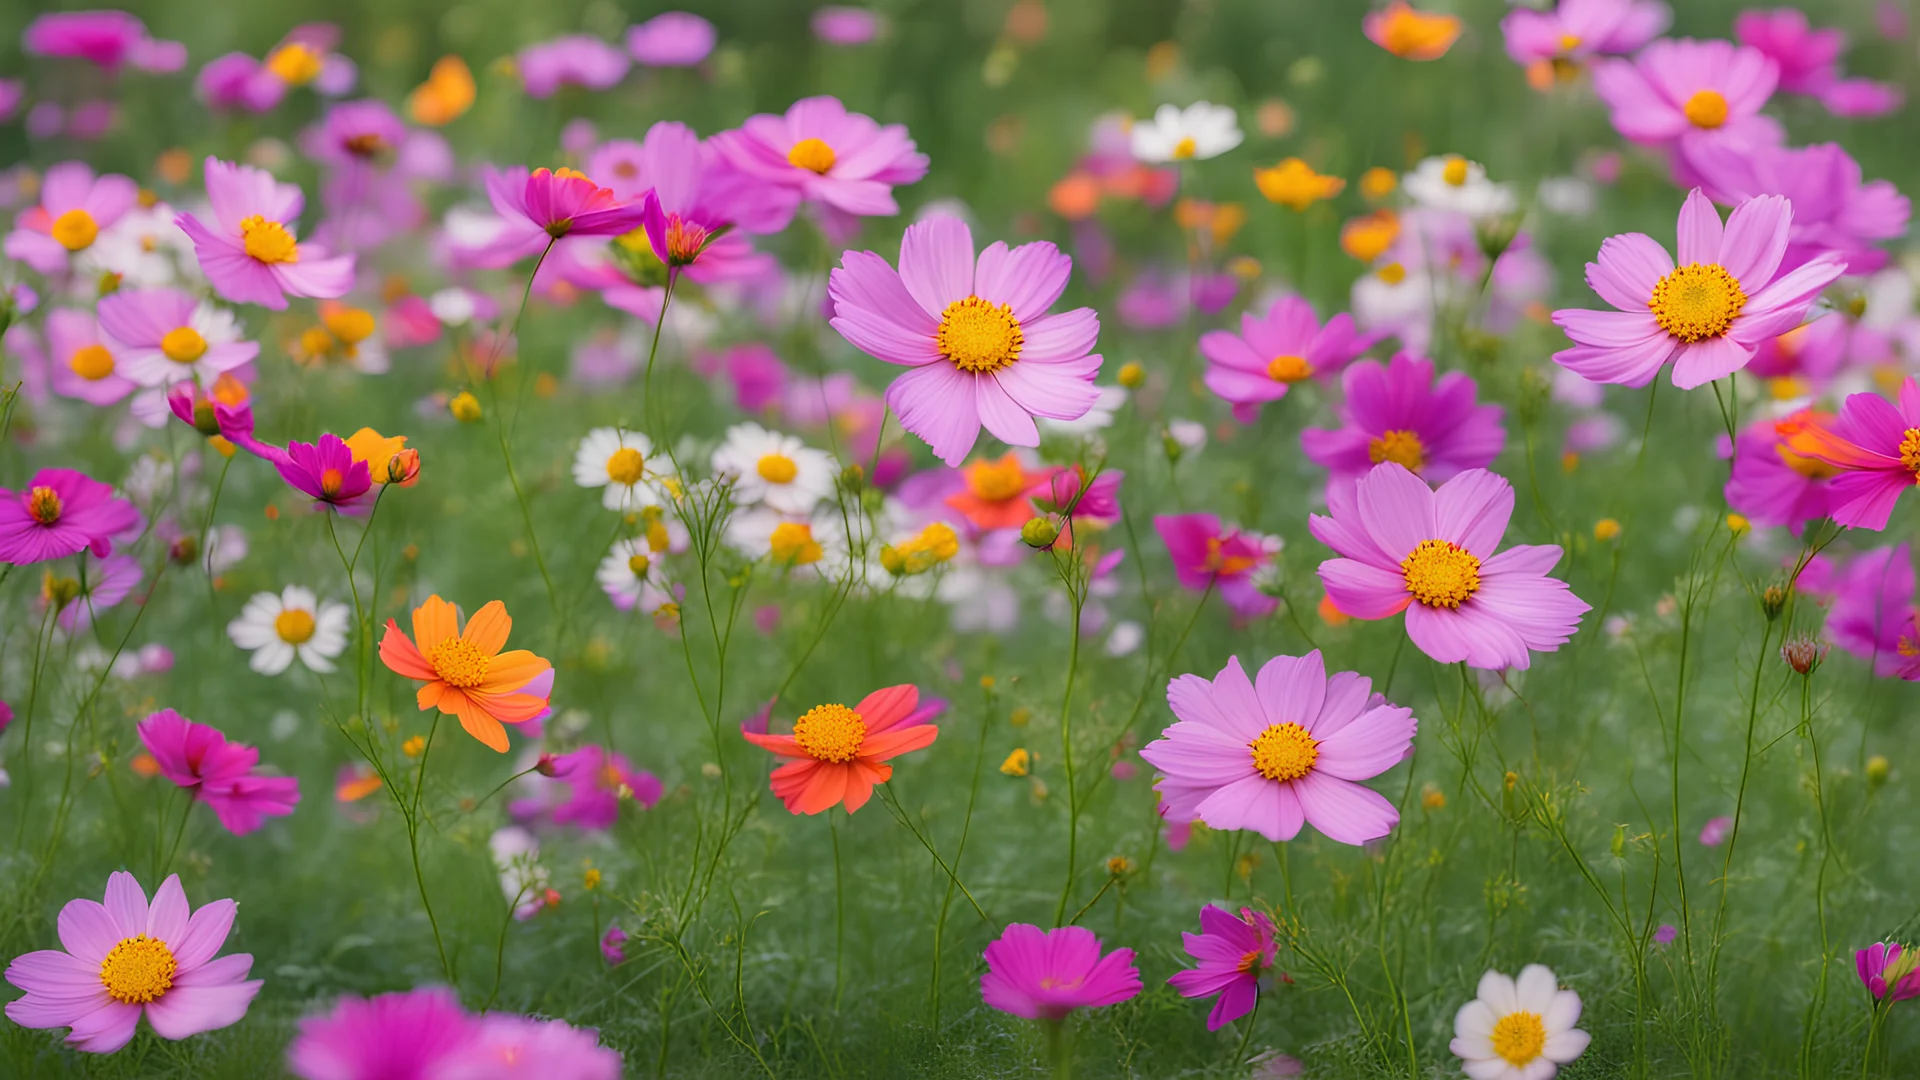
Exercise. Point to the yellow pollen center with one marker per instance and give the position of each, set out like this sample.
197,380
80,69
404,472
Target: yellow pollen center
1289,369
777,468
91,362
316,342
1455,171
979,336
1393,273
1399,446
43,503
351,325
1284,752
1440,573
626,466
183,345
996,481
74,230
1569,42
294,626
1519,1037
1185,149
793,544
330,481
459,662
268,241
1812,467
1697,301
1910,450
295,64
638,565
138,970
1706,109
830,733
813,155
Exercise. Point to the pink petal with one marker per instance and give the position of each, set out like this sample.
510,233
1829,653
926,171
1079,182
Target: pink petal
322,278
1344,812
126,904
1472,510
1699,230
1001,415
1702,362
1756,238
1362,591
1627,269
936,402
205,932
87,930
1396,508
1055,391
189,1010
1632,365
105,1029
1607,329
1291,689
1028,278
936,262
1373,743
167,918
1066,336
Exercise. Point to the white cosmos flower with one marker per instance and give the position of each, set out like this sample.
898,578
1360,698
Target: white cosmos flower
1454,184
774,469
1518,1030
622,462
141,249
1200,131
1111,400
216,326
276,628
632,575
815,545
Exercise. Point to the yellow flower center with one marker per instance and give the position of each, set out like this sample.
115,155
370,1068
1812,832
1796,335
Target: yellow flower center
91,362
58,592
43,503
1289,369
1399,446
1393,273
1814,469
295,64
1706,109
74,230
1284,752
138,970
1569,42
268,241
1440,573
813,155
1217,561
638,565
793,544
996,481
1697,301
979,336
350,324
1454,172
330,481
183,345
830,733
1185,149
626,466
294,626
1910,450
1519,1037
459,662
777,468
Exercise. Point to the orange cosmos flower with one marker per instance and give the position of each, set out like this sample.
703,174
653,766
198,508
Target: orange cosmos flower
465,673
996,493
446,95
1411,34
838,753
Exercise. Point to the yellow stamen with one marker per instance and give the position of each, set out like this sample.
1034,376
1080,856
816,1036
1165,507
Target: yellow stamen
996,481
830,733
638,565
1393,273
1569,42
1399,446
813,155
979,336
74,230
1185,149
794,545
43,505
294,626
91,362
1910,450
1519,1037
268,241
183,345
1812,467
1454,172
626,466
1706,109
1440,573
1250,962
459,662
138,970
350,324
1697,301
1284,752
777,468
295,64
1289,369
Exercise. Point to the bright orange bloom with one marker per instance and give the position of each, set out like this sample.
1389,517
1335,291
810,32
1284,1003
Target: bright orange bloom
838,753
1411,34
446,95
996,494
465,673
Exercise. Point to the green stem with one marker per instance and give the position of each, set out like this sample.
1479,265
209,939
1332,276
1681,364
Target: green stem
839,913
500,433
1066,752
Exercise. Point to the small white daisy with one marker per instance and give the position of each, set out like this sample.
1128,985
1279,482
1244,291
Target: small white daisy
774,469
622,462
632,575
1454,184
1200,131
1518,1030
294,623
816,545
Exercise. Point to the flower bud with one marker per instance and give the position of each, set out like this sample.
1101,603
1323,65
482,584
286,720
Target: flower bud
1039,533
1803,654
464,407
183,549
1132,375
403,467
1878,769
547,765
1773,600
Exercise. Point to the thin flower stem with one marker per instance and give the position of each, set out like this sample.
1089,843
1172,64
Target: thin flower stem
1246,1037
206,531
178,835
966,827
1066,751
899,814
1739,805
413,842
839,913
500,433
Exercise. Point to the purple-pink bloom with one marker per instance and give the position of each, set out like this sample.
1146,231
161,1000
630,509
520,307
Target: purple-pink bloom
1709,314
108,39
1233,952
1714,832
701,209
838,24
327,471
1812,353
1809,62
165,336
1059,493
1272,352
1772,485
407,1036
1206,556
671,39
613,943
758,376
844,160
1873,963
546,204
982,348
74,207
238,81
1286,749
1578,30
83,361
584,790
1665,934
224,775
1833,210
1047,974
1407,547
1680,95
573,60
1872,616
508,1047
1397,412
253,256
1873,443
60,513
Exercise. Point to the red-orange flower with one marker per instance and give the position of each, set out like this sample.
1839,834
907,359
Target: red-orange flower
465,673
838,753
996,493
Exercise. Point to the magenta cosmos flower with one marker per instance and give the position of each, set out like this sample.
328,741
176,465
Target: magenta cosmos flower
126,958
1809,62
1833,209
328,471
585,789
983,350
838,24
1708,315
409,1036
1208,556
165,336
253,257
1046,974
59,513
1682,94
844,160
1771,484
1233,953
1397,412
109,39
508,1047
1272,352
1407,547
1874,445
74,207
1872,616
222,774
1578,30
573,60
671,39
1286,749
700,210
83,362
1873,963
557,203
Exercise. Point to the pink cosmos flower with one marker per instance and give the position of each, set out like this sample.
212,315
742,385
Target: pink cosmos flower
585,790
1407,547
843,160
1872,964
253,257
60,513
1287,749
1397,412
548,204
1811,354
74,207
1059,493
1872,616
983,350
124,959
573,60
108,39
1046,974
106,583
701,209
222,774
407,1036
83,362
1809,62
1680,95
238,81
1708,315
1272,352
165,336
1578,30
1233,953
756,373
1205,555
836,24
1833,211
671,39
328,471
508,1047
613,945
1874,445
1772,485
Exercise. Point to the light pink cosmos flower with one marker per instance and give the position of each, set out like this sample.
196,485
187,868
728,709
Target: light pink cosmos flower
841,159
165,336
1578,30
74,207
253,257
1833,209
108,39
1681,94
983,350
573,60
671,39
1047,974
1398,412
1407,547
1276,350
701,209
1286,749
405,1036
1708,315
508,1047
124,959
83,361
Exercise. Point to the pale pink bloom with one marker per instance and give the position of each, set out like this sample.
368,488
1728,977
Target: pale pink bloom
75,206
671,39
1274,351
573,60
165,336
407,1036
1680,95
508,1047
841,159
253,257
1714,832
83,360
1581,29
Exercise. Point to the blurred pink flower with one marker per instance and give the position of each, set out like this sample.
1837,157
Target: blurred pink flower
1832,209
1273,352
573,60
1398,412
1681,95
1047,974
253,257
585,788
1873,962
831,156
222,774
671,39
1579,30
108,39
1206,556
1714,832
837,24
74,208
83,361
415,1035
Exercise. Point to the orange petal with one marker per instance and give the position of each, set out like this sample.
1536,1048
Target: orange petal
884,708
859,789
890,744
434,622
791,779
401,657
488,629
475,720
432,694
784,745
510,670
827,788
512,708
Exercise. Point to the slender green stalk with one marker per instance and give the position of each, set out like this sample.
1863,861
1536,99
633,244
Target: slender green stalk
839,913
500,433
1078,598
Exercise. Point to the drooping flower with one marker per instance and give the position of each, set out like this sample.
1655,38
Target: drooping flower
1833,210
1207,556
464,672
166,336
982,349
126,959
407,1036
276,627
251,256
60,513
1271,353
1233,953
83,361
1575,31
1709,314
1874,445
1287,749
1398,412
623,463
671,39
1047,974
220,773
1882,972
585,790
836,754
1518,1029
774,469
570,60
838,159
1681,95
327,471
1409,33
1407,547
1454,185
1200,131
75,207
547,204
